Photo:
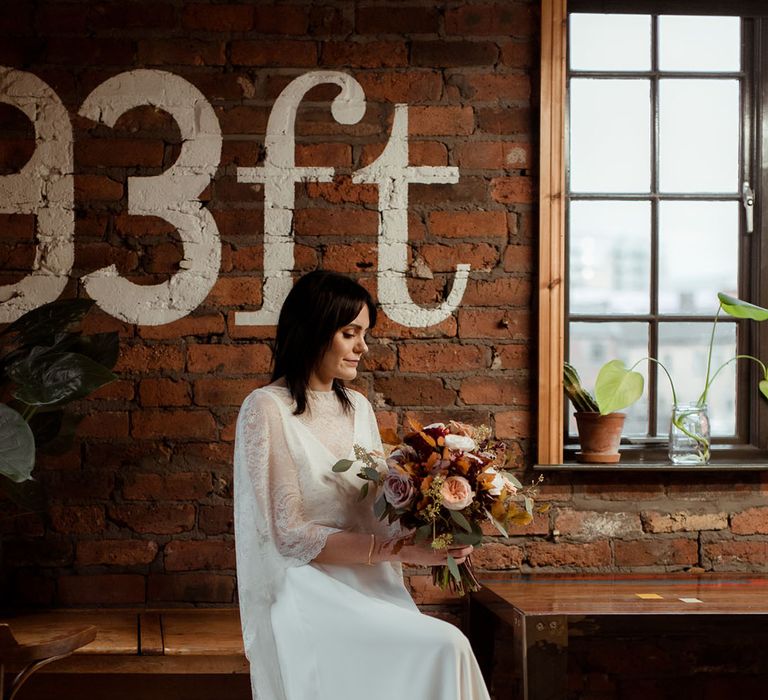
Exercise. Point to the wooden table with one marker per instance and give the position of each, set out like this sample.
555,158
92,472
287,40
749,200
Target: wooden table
545,611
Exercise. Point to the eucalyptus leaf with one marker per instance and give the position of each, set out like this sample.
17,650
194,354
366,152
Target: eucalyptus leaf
17,446
370,473
460,520
528,505
380,507
453,567
497,524
363,492
342,465
617,387
423,533
472,538
741,309
513,479
56,378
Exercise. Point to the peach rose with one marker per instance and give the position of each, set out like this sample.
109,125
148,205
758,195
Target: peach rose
456,493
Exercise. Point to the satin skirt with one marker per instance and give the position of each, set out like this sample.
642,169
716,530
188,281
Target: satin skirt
352,632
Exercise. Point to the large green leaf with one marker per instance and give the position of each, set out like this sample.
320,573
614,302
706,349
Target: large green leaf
51,378
40,326
17,445
103,348
763,386
472,538
46,426
460,520
742,309
28,495
617,387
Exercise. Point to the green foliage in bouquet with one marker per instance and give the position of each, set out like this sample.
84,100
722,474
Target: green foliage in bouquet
46,363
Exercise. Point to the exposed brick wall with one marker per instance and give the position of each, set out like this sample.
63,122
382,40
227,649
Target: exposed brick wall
140,509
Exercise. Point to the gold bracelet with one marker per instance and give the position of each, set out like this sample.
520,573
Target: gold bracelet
370,550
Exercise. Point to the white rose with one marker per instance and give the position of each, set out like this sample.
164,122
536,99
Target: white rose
461,443
433,425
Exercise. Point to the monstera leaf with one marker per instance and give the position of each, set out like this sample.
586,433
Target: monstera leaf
617,387
17,446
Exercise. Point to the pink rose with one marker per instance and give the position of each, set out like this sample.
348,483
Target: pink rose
456,493
398,489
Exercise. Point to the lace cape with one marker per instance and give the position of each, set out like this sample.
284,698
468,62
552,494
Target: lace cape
287,503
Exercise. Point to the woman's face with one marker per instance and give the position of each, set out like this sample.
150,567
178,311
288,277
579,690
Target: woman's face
343,356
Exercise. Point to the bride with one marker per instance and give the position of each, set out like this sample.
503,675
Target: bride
324,610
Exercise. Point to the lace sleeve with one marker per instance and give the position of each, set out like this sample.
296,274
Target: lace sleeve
275,481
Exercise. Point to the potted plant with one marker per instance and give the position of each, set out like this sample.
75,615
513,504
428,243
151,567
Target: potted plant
689,437
597,417
45,363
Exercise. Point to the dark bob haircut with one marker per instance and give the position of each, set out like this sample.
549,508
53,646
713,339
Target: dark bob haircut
319,304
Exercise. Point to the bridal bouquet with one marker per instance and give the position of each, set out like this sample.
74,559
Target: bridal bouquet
442,483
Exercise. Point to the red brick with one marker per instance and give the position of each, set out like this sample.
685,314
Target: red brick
224,392
16,227
370,54
353,257
379,358
182,52
241,119
202,325
341,190
119,390
326,20
197,587
217,520
442,357
116,552
620,490
505,120
468,224
589,525
410,88
90,188
386,328
132,15
736,555
92,484
427,153
498,19
496,323
192,555
235,291
101,589
151,518
481,154
400,20
287,19
164,392
444,258
218,18
502,291
513,424
447,54
148,358
497,556
415,391
119,152
153,424
493,87
494,390
281,53
338,155
589,555
658,552
752,521
60,19
518,258
441,120
469,191
519,54
34,590
83,51
78,520
683,521
538,526
229,359
36,553
336,222
176,486
104,424
512,190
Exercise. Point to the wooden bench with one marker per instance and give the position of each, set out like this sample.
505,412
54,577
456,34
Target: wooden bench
192,648
545,613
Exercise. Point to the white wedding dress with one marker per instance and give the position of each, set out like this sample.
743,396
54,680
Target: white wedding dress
323,632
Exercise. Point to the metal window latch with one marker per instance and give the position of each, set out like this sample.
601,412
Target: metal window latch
748,198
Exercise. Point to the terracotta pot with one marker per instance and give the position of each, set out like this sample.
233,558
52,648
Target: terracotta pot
599,437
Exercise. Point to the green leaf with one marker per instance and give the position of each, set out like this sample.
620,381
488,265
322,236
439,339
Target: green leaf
472,538
363,492
497,524
370,473
103,348
342,465
380,507
453,567
28,495
423,533
41,325
741,309
617,387
46,379
460,520
515,481
17,446
529,505
763,386
46,426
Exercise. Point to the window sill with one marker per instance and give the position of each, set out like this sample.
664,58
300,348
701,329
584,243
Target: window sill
636,459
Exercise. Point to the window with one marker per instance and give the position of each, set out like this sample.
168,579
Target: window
642,207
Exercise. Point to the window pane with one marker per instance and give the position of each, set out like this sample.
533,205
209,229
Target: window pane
699,135
609,257
683,351
699,43
610,135
698,255
610,42
591,345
